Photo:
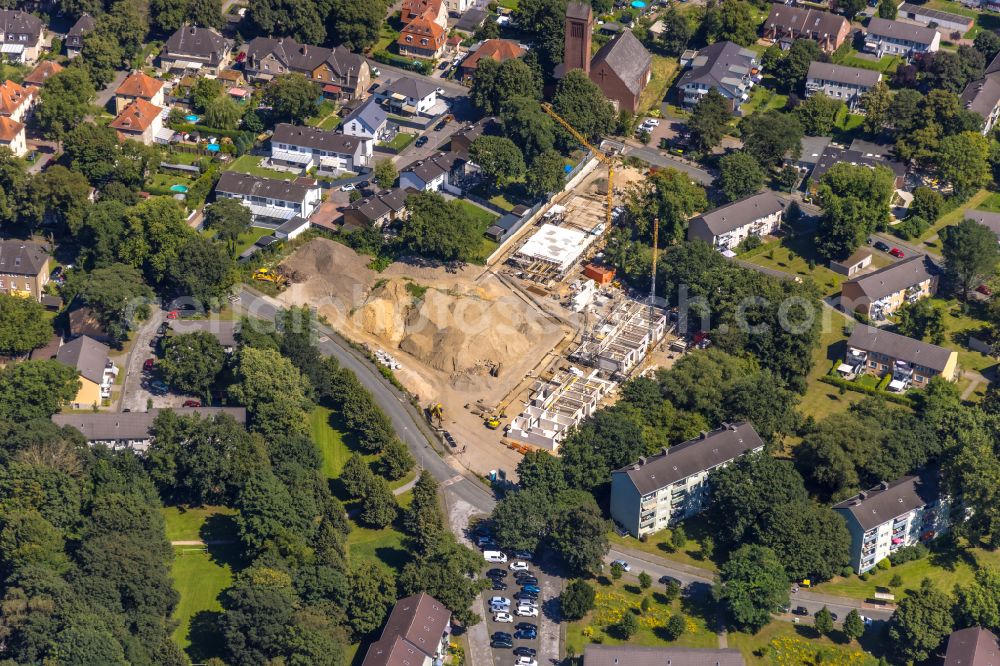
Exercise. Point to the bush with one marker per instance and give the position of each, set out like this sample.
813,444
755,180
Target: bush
867,390
864,576
911,227
751,242
896,580
915,552
645,580
846,571
577,599
675,627
884,564
884,382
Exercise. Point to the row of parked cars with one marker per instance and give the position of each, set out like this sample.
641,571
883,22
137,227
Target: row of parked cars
524,605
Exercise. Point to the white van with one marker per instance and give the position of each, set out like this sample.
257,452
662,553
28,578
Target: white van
494,556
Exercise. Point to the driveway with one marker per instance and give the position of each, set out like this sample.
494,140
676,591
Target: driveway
436,139
390,73
134,396
104,95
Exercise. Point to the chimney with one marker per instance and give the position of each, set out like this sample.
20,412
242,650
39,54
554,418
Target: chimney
665,450
642,460
863,494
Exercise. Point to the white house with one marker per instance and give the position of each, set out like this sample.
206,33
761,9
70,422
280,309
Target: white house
270,199
846,84
727,226
17,101
12,136
887,37
21,37
306,148
723,66
433,174
408,96
368,121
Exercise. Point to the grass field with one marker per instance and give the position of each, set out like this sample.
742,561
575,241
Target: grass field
400,141
483,219
821,400
793,256
764,99
246,239
664,70
784,643
658,544
251,164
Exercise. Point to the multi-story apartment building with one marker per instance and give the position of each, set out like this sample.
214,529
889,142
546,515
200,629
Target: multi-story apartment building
886,37
982,96
270,199
912,363
846,84
879,294
973,646
303,148
139,121
894,515
416,634
17,101
723,66
12,136
653,493
24,268
139,85
785,23
727,226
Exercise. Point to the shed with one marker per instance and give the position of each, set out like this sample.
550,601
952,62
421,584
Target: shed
854,264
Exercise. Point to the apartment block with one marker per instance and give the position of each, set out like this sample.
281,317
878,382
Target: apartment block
893,515
723,66
727,226
619,342
879,294
556,406
887,37
133,430
912,363
271,199
842,83
654,493
299,148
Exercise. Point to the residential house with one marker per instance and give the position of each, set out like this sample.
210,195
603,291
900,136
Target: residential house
727,226
785,23
458,7
12,136
269,199
434,10
985,218
24,268
17,101
232,77
97,373
20,36
498,50
879,294
305,148
633,655
846,84
139,85
84,321
472,19
886,37
723,66
894,515
860,153
912,363
982,96
657,491
192,48
74,38
622,69
292,228
947,22
433,174
134,430
348,74
462,139
139,121
225,331
422,38
854,264
378,210
408,96
811,149
973,646
41,73
416,634
368,121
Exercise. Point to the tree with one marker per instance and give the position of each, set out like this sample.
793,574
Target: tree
438,228
378,505
230,219
970,254
678,537
168,15
23,325
580,537
876,103
731,20
752,585
292,98
978,603
93,151
628,626
385,173
204,92
65,101
206,13
818,114
582,104
35,389
202,269
298,19
546,174
545,21
449,573
191,362
223,113
422,520
927,203
854,626
922,320
740,175
396,460
675,627
272,389
669,195
921,622
850,8
963,162
855,202
887,9
101,56
355,25
116,293
770,135
987,42
709,120
528,126
520,521
577,599
498,157
496,83
823,621
542,472
61,197
373,592
645,580
792,69
677,31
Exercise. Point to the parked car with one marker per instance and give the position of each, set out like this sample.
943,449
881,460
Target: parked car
421,141
531,588
159,386
527,611
347,188
625,566
163,328
652,122
440,91
525,555
444,65
517,565
502,641
664,580
440,126
527,625
525,635
525,651
499,601
984,290
801,610
148,364
896,252
526,596
525,661
495,556
499,585
880,246
496,573
192,403
503,617
526,580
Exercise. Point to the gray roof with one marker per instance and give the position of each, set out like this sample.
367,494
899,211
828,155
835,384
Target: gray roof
934,14
835,154
370,113
313,137
110,426
696,455
740,213
16,22
410,87
233,182
86,355
22,257
196,42
885,501
827,71
291,224
627,58
304,57
471,19
982,95
985,218
432,167
812,148
579,10
786,18
717,64
857,257
224,331
896,277
899,30
631,655
421,620
85,24
974,646
894,345
380,204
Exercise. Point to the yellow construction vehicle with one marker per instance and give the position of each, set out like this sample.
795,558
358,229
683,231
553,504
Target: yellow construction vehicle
267,275
492,422
606,159
436,413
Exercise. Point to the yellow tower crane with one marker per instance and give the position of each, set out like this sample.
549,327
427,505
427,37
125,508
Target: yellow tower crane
606,159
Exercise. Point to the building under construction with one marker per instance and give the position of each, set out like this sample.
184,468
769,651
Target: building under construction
556,405
567,234
620,341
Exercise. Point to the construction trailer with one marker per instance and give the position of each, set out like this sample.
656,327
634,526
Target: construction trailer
621,340
556,405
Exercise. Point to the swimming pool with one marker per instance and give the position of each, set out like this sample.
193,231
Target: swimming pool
212,147
192,118
178,188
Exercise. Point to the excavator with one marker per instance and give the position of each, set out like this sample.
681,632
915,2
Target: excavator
267,275
436,413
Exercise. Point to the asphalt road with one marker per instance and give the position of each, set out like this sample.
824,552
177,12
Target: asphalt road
657,158
390,73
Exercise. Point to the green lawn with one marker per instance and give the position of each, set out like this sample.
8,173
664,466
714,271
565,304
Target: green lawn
887,65
483,219
785,643
764,99
385,546
330,123
664,70
246,239
958,327
400,141
981,200
659,545
792,256
166,179
821,400
251,164
186,523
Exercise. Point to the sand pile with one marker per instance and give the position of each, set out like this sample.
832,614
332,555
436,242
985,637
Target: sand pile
384,313
329,275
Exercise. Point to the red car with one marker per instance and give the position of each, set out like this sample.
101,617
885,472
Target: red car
192,403
984,290
896,252
148,364
172,314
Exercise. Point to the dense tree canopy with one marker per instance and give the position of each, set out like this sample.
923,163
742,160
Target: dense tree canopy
23,325
439,228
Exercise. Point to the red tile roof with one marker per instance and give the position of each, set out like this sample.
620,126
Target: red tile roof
420,28
494,49
9,129
139,84
13,96
136,117
42,72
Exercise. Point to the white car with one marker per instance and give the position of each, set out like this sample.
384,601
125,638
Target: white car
499,601
525,661
503,617
652,122
494,556
347,188
527,611
440,91
625,566
519,565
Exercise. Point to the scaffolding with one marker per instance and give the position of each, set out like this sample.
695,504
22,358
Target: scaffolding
621,340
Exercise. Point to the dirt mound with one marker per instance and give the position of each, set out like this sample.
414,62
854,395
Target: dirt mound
330,274
384,313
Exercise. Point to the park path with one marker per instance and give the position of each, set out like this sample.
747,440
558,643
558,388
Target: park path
199,542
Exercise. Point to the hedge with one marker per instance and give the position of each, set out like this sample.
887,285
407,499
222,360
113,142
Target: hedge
852,386
386,58
760,249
